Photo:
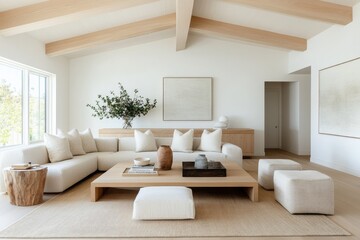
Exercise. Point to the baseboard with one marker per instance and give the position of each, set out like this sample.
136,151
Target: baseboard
339,167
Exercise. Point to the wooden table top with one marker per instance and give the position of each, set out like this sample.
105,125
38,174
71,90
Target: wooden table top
236,177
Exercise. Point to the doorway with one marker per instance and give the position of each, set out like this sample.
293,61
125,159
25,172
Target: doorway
273,115
287,115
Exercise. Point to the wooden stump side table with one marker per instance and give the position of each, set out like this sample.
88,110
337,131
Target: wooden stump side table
25,187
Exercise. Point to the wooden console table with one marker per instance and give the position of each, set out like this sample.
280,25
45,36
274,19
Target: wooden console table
242,137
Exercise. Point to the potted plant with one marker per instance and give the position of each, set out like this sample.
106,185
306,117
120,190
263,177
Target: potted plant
122,106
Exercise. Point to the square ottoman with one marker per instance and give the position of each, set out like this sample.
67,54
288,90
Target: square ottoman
267,167
170,202
304,191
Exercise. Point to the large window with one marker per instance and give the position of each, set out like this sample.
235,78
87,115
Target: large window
24,101
37,106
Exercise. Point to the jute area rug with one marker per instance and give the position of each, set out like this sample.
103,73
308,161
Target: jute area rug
219,213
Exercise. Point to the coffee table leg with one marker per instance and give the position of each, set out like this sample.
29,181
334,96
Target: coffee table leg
96,193
253,193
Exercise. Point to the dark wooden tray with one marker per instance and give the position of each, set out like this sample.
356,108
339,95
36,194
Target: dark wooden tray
215,169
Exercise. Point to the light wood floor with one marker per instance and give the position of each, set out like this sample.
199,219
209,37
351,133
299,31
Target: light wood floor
347,199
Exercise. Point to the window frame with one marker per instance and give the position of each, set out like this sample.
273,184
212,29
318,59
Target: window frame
47,115
50,103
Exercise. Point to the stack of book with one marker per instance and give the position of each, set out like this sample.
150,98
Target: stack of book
147,169
23,166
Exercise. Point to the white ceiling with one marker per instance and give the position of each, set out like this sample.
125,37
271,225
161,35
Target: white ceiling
220,10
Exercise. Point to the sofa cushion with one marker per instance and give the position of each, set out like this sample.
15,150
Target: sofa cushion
210,141
182,142
163,141
35,154
88,141
211,156
62,175
75,142
106,144
126,144
144,141
57,147
107,160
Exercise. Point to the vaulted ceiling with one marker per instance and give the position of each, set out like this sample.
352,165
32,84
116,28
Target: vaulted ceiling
73,27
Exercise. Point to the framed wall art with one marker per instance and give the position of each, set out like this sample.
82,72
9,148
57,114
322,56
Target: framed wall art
187,98
339,99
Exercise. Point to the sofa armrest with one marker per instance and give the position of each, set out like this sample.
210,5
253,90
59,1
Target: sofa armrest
106,144
232,152
7,158
36,153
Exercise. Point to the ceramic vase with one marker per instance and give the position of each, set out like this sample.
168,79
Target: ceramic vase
165,157
201,162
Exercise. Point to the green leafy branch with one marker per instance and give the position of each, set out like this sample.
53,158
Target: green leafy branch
122,106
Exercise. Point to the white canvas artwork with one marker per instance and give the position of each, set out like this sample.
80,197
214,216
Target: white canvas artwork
339,99
187,99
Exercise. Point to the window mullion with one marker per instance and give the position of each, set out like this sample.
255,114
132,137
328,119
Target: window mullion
25,107
39,107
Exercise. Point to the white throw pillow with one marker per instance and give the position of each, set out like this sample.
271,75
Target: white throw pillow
75,142
144,141
57,147
88,142
210,141
182,142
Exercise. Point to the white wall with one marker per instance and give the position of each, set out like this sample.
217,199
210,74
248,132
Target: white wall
294,113
239,72
333,46
304,114
290,117
27,50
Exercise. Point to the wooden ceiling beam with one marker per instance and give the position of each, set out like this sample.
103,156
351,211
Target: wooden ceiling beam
54,12
130,30
313,9
184,10
211,27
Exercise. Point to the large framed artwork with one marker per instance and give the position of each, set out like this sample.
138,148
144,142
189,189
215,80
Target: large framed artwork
339,99
187,98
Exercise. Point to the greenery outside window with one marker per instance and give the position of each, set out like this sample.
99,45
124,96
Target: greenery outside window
24,103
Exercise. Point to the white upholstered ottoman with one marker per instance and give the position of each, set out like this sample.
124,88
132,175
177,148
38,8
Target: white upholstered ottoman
304,191
267,167
164,203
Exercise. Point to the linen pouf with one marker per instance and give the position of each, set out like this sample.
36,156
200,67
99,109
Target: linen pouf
267,167
304,191
165,202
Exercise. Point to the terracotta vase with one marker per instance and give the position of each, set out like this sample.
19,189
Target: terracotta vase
165,157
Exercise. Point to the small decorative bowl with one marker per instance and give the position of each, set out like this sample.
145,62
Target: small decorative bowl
140,161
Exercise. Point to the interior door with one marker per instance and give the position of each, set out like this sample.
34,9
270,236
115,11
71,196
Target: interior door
272,118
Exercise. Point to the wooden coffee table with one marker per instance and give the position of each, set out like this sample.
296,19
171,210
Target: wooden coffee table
236,177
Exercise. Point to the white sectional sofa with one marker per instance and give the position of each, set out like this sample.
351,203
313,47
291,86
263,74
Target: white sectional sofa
61,175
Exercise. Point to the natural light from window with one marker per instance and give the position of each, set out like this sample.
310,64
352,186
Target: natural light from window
24,101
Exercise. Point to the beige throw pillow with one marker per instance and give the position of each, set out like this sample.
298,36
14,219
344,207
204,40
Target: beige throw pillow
88,142
211,141
57,147
144,141
75,142
182,142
